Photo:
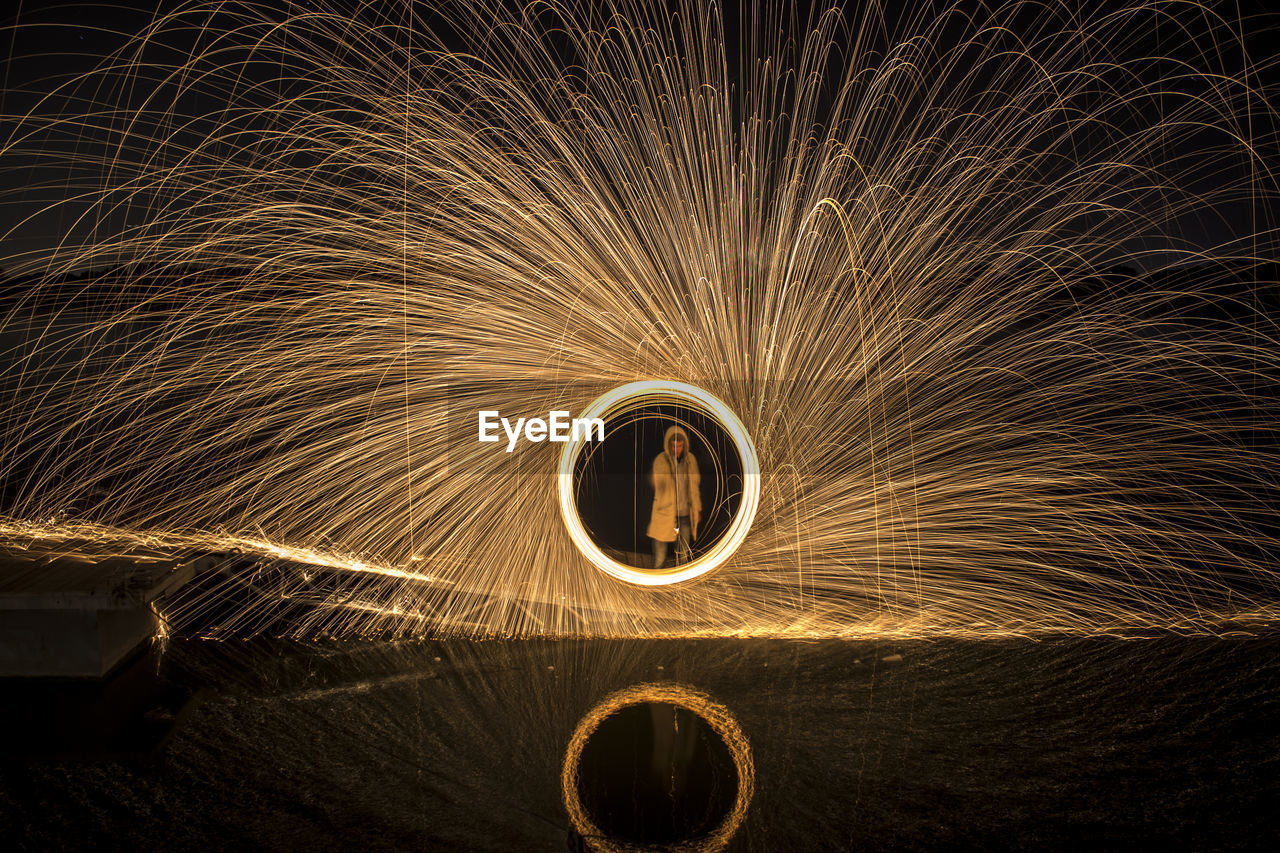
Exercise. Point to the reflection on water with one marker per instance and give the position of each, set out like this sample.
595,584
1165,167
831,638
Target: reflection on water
1065,743
656,773
657,763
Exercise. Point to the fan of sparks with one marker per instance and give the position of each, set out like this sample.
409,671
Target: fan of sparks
322,239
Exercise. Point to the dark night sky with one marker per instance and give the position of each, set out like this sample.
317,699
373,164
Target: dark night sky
57,39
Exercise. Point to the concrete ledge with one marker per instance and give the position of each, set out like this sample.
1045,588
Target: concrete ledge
65,613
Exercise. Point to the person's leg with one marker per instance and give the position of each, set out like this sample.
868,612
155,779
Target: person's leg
659,553
683,549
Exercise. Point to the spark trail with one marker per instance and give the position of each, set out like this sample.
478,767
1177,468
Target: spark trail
888,244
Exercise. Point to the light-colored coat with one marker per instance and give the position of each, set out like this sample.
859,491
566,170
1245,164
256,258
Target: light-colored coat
668,476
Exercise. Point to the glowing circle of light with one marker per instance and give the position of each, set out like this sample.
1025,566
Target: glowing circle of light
714,714
629,396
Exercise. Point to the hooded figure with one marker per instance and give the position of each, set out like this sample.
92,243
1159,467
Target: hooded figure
677,498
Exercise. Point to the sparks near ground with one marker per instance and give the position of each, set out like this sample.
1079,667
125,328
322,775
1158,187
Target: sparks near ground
888,247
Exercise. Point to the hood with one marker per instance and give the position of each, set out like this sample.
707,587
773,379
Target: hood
674,430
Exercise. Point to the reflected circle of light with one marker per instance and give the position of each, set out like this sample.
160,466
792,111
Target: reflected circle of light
721,722
633,395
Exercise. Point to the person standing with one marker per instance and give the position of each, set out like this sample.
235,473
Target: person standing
677,498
